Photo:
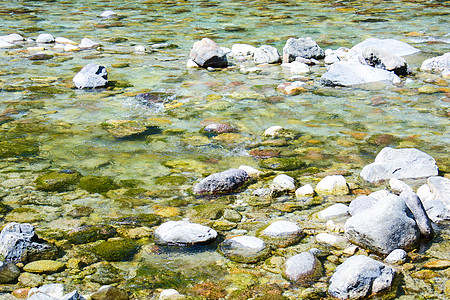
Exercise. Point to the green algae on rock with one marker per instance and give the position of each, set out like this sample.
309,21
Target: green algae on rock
92,233
18,148
282,163
116,250
97,184
64,180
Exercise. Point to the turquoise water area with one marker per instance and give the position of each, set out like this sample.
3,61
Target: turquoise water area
48,125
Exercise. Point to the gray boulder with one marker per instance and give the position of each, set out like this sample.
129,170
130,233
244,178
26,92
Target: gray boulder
381,59
384,227
91,76
266,55
222,182
206,53
437,64
245,249
396,257
360,276
415,206
282,233
349,73
302,267
391,46
183,233
9,272
19,243
400,164
437,201
302,47
360,204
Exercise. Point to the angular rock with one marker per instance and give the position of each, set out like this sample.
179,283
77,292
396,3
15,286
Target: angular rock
380,59
266,55
222,182
361,203
398,186
348,73
109,292
391,46
244,249
384,227
396,257
332,185
282,233
302,267
242,50
206,53
360,276
415,206
91,76
437,201
335,211
183,233
9,272
302,47
437,64
400,164
45,38
19,243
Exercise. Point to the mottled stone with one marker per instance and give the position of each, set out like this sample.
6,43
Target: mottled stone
245,249
223,182
266,55
9,272
206,53
184,233
109,292
281,233
302,47
302,267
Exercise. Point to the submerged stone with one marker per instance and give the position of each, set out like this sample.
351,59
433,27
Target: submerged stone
18,148
282,233
91,233
97,184
9,272
58,181
116,250
244,249
282,163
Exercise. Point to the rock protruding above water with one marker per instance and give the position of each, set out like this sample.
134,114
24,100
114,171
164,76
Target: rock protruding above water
396,257
332,185
19,243
416,207
334,211
183,233
400,164
391,46
266,55
91,76
87,43
437,64
222,182
349,73
45,38
302,47
384,227
206,53
53,292
109,292
282,233
436,199
360,276
361,203
380,59
245,249
302,267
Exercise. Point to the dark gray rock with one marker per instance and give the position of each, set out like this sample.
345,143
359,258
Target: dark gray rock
266,55
223,182
91,76
183,233
380,59
415,206
19,243
391,46
302,267
206,53
9,272
302,47
437,203
360,276
245,249
400,164
360,204
348,73
384,227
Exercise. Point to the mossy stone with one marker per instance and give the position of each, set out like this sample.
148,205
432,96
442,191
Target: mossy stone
97,184
148,220
88,234
282,163
58,181
116,250
105,274
211,211
171,180
18,148
150,277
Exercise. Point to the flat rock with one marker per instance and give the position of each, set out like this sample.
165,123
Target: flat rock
360,276
348,73
302,47
400,164
384,227
266,55
87,43
184,233
206,53
391,46
334,211
222,182
381,59
332,185
302,267
44,266
282,233
91,76
244,249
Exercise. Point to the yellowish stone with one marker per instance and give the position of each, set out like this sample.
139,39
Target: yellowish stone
424,274
428,89
168,212
44,267
437,264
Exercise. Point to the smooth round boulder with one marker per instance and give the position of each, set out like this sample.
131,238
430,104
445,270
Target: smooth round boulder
332,185
396,257
334,211
302,267
208,54
244,249
45,38
183,233
281,233
284,182
91,76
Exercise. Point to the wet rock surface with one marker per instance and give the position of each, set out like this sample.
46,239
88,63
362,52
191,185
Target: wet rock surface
302,267
91,76
184,233
245,249
223,182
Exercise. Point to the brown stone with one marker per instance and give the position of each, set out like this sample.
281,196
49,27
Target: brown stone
437,264
424,274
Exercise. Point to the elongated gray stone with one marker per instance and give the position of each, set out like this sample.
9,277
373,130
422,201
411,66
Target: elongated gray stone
415,206
183,233
223,182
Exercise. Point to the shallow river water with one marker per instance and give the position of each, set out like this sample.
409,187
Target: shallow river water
49,125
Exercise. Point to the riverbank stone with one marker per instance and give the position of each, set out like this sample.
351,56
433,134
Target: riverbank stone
416,207
244,249
183,233
45,38
332,185
383,60
361,203
349,73
334,211
302,268
360,276
304,191
401,164
91,76
396,257
301,47
208,54
9,272
109,292
19,243
284,183
281,233
87,43
378,227
222,182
